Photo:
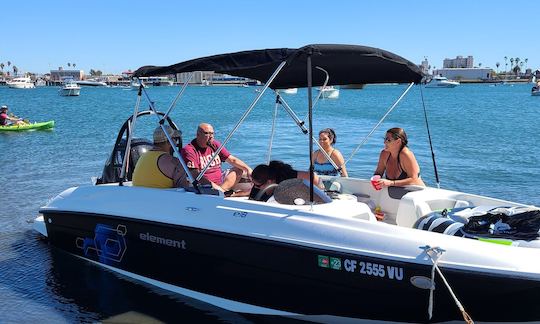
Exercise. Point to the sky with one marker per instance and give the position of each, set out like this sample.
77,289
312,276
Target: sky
117,35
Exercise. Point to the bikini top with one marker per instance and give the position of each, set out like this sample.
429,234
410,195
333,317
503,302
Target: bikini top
325,168
402,175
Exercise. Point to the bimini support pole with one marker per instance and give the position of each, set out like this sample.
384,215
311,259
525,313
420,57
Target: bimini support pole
180,93
244,116
161,121
430,143
310,125
130,129
380,122
273,128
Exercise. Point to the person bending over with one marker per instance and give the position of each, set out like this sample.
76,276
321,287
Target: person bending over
275,172
397,165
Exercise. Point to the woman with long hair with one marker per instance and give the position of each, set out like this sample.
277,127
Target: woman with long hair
397,164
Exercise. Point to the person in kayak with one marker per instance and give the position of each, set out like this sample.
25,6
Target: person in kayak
397,162
6,120
158,168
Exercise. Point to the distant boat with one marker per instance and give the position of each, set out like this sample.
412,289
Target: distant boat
21,83
70,88
40,83
329,92
135,84
352,86
290,91
441,82
91,83
535,91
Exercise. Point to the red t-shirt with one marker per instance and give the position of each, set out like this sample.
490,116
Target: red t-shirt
197,157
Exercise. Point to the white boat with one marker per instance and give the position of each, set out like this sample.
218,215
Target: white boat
441,82
91,83
535,91
330,260
157,81
21,83
136,84
329,92
70,88
290,91
40,83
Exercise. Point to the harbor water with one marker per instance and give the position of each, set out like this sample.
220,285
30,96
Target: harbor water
483,137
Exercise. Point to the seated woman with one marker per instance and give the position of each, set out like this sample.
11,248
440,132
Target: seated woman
327,138
397,163
266,177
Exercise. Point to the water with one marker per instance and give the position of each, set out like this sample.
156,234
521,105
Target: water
483,138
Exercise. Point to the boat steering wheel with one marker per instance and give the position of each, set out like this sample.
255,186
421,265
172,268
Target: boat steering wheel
261,193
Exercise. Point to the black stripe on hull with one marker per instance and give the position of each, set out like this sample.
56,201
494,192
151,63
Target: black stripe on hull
283,276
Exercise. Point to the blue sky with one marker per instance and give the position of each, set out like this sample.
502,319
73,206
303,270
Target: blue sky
116,35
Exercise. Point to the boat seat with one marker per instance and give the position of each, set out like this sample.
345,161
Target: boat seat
423,208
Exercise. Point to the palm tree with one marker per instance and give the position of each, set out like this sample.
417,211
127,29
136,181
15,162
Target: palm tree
74,65
497,65
69,64
2,66
517,60
479,65
511,63
526,60
8,63
505,64
15,70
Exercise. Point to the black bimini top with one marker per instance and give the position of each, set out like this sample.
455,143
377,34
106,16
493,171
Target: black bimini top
345,64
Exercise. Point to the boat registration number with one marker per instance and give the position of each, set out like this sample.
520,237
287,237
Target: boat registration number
373,269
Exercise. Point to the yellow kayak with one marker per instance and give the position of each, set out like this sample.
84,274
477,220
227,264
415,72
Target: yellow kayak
28,126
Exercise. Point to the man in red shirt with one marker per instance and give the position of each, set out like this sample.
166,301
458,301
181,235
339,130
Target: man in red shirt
198,153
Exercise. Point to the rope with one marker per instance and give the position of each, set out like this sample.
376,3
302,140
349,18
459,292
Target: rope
435,254
430,143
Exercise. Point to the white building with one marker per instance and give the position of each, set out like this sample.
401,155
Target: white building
465,73
458,62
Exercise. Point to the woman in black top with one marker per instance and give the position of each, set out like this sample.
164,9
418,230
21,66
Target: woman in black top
397,165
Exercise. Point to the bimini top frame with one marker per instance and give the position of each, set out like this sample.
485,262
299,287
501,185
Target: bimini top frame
308,66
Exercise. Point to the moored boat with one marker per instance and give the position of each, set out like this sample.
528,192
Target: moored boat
278,257
329,92
441,82
70,88
21,83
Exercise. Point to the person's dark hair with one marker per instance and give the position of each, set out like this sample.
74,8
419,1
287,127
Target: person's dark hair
261,173
331,134
398,132
281,171
275,170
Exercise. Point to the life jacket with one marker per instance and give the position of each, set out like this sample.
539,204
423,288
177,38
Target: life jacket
3,118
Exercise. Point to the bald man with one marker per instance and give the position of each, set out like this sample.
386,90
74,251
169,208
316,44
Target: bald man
198,153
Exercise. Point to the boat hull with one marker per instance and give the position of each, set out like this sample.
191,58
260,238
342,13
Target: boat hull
25,127
281,276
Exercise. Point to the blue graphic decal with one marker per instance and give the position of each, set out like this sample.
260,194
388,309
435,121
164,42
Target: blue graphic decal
108,244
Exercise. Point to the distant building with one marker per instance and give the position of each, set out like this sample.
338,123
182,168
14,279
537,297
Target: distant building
458,62
61,74
209,77
466,73
424,66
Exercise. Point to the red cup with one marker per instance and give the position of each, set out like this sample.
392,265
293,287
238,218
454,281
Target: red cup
375,182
